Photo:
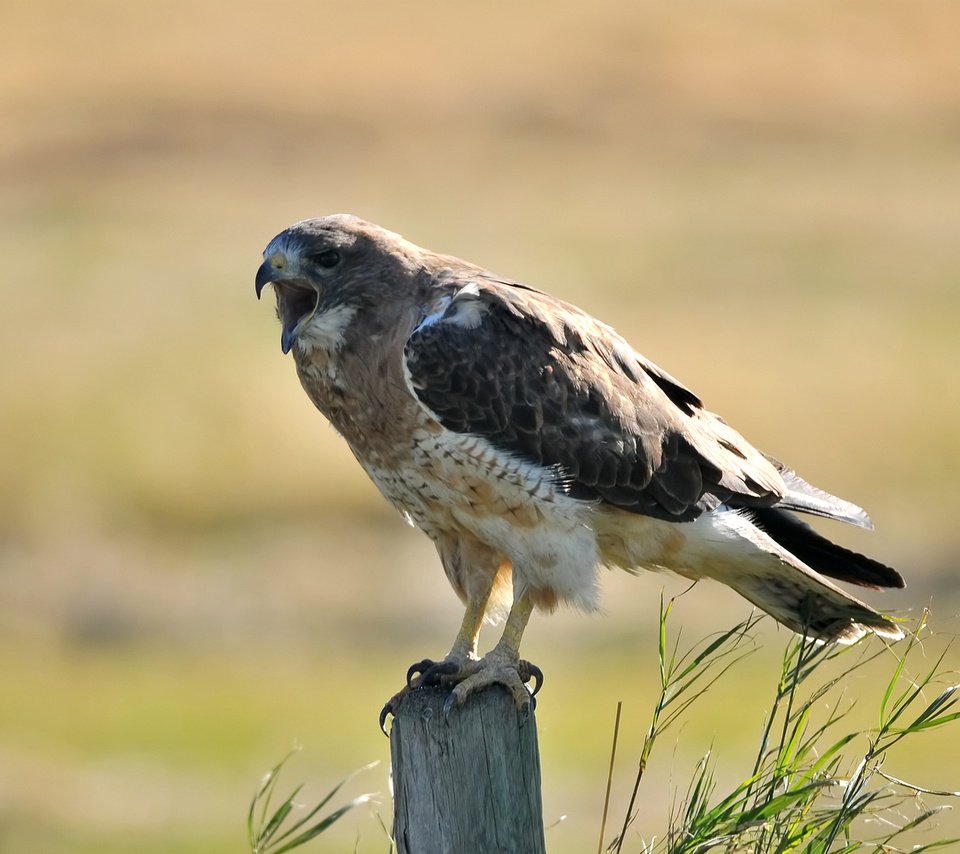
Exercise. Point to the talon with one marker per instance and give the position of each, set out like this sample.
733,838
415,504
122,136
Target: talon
529,672
420,667
390,708
467,675
434,674
386,710
448,704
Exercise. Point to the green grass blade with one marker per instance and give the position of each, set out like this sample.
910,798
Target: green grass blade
326,799
262,797
321,825
279,816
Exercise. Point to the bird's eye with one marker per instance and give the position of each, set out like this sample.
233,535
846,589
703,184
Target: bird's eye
328,258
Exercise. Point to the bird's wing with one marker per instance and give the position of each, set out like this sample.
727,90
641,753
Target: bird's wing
806,498
541,379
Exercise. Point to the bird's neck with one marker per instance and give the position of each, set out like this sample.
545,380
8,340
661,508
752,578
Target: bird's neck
359,385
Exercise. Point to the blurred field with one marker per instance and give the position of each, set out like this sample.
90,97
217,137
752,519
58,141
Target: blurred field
764,198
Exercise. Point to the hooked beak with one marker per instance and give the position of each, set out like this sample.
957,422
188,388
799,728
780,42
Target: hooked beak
265,275
297,300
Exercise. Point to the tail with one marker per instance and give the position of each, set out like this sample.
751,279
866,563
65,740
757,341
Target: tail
821,555
798,595
779,581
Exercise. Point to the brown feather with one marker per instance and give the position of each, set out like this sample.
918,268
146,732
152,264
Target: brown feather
547,382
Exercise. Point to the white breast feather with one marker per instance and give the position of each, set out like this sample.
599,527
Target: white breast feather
325,331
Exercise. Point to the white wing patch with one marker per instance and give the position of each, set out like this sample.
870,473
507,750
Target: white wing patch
463,309
435,316
466,309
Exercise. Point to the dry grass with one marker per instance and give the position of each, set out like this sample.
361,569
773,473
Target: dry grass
762,197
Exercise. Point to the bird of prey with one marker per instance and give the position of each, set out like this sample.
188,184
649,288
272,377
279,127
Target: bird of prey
534,445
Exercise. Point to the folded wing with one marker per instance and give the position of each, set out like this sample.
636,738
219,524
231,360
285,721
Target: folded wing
541,379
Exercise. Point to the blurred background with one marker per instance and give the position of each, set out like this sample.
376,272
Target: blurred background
195,575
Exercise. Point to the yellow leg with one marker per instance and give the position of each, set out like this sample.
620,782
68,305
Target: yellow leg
468,674
465,645
517,620
461,656
503,665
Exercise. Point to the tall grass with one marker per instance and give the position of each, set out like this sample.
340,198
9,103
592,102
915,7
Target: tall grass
816,784
291,825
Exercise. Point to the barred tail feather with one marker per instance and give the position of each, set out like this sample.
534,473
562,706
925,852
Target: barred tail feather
777,582
814,608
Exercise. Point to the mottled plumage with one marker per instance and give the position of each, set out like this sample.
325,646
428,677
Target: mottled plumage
534,445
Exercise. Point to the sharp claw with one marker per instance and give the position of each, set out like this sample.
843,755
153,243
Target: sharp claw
536,674
420,668
528,672
429,672
434,674
386,710
467,677
448,704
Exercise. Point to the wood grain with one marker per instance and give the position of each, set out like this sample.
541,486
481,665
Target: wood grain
469,782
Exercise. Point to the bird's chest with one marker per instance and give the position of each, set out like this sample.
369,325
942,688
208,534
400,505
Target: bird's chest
445,482
386,428
437,478
365,400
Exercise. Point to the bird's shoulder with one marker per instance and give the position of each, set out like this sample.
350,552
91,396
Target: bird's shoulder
511,319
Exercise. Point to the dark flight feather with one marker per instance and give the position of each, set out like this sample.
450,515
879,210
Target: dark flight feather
819,553
805,498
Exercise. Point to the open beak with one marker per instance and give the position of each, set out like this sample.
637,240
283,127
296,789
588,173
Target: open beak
297,300
265,275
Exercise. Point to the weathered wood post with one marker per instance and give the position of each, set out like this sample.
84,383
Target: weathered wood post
467,783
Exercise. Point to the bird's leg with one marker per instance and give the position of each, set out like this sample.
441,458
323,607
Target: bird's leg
454,667
464,650
503,665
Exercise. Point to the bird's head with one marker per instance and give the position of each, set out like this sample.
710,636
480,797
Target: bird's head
324,271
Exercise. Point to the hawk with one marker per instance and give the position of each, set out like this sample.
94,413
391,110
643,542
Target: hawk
534,445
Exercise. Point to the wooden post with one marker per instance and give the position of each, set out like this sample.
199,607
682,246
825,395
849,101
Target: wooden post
467,783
